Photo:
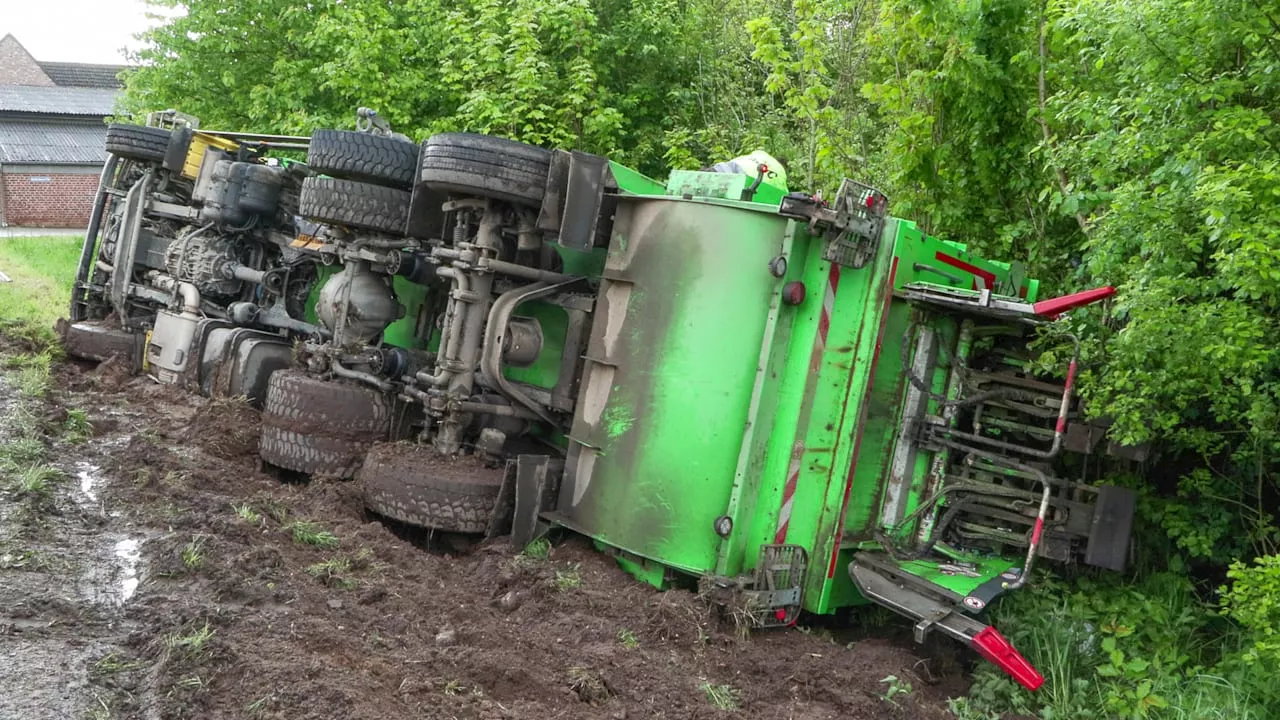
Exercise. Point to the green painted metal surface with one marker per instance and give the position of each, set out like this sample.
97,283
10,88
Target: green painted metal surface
706,395
678,327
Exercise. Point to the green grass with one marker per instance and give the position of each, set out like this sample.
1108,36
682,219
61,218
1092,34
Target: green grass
538,550
245,512
309,533
568,579
722,697
36,481
77,427
193,642
628,638
42,270
193,554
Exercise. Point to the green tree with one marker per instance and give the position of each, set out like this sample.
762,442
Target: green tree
603,76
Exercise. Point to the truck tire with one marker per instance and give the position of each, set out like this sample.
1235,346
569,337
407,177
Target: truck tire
320,427
416,485
484,166
363,157
311,454
138,142
354,204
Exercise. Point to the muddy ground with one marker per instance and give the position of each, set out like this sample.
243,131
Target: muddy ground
168,577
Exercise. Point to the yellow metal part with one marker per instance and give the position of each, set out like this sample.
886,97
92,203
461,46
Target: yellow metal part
199,143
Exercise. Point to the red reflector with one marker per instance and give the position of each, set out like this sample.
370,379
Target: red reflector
781,614
793,293
1054,307
991,645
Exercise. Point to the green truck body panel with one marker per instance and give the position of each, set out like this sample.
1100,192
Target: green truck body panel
706,395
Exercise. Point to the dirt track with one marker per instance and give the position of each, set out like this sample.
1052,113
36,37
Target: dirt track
169,578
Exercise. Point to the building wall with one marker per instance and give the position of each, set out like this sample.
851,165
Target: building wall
60,197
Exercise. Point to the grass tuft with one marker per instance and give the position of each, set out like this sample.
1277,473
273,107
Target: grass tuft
628,639
193,553
309,533
193,643
568,579
722,697
539,549
77,427
246,513
36,481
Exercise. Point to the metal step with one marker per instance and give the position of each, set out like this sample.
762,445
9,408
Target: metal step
930,613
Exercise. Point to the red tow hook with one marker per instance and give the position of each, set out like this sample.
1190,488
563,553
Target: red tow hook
993,646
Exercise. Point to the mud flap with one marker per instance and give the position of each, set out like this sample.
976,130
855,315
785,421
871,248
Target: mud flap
1112,525
529,488
934,614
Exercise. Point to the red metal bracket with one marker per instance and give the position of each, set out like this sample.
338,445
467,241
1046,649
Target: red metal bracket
1054,307
993,646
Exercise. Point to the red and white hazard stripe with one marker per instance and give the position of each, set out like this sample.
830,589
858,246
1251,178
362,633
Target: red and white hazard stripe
815,364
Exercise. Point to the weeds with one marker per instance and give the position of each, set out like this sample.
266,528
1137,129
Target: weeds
568,579
894,686
628,639
309,533
333,572
539,549
246,513
33,381
77,428
587,685
193,682
722,697
111,663
193,643
21,452
259,706
452,688
24,560
193,553
35,481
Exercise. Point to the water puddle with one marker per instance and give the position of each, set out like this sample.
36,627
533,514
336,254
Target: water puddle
87,474
112,578
129,553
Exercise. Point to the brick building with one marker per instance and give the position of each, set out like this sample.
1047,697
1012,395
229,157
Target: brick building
52,131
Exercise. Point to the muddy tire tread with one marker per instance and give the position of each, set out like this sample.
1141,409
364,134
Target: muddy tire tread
310,453
405,492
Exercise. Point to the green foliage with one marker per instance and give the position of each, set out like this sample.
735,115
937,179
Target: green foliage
1131,650
599,76
1253,600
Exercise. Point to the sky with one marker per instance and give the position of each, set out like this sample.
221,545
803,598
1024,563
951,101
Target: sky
89,31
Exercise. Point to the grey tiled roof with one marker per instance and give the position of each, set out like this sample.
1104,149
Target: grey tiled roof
57,100
52,143
66,74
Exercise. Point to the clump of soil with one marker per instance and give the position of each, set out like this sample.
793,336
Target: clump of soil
227,428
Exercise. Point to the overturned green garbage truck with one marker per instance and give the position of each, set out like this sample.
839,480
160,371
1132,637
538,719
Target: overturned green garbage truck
801,404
